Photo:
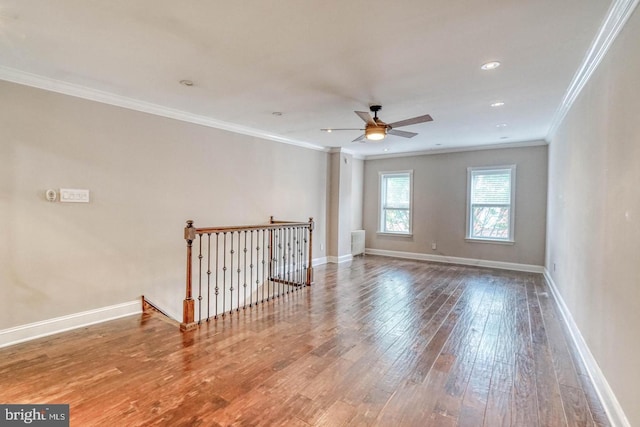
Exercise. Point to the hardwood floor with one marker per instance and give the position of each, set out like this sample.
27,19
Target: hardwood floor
382,342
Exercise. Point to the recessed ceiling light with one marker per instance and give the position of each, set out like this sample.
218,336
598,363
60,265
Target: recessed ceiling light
490,65
504,137
186,82
385,150
501,125
497,104
277,113
438,144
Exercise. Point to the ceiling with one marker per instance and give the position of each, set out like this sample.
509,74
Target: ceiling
316,62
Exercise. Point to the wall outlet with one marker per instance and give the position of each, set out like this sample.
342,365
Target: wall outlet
434,246
321,247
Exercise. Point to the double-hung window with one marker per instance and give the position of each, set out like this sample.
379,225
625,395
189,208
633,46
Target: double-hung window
490,203
395,202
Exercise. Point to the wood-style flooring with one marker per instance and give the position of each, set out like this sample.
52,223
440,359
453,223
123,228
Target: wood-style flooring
378,342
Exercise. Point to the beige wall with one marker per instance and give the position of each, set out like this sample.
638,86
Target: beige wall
357,188
439,197
147,176
333,207
594,215
340,205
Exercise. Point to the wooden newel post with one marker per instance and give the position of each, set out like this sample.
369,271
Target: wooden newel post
310,265
188,305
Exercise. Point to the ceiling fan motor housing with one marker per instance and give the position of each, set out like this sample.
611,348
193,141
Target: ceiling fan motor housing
374,109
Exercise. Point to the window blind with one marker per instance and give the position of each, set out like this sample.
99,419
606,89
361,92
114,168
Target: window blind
491,188
397,191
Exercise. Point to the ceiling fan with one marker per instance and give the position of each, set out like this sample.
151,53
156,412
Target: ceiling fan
376,129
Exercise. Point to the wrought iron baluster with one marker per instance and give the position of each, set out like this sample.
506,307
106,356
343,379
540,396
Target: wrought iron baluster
239,270
294,257
304,255
224,272
217,289
208,276
298,254
301,252
199,278
231,275
274,260
251,272
275,270
283,257
287,252
265,267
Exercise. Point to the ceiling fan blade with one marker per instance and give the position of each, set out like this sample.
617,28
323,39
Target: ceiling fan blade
366,117
359,139
413,121
401,133
332,129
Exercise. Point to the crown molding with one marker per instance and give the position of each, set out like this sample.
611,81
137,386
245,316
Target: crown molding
333,150
78,91
521,144
614,21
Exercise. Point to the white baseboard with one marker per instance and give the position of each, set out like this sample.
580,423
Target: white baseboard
606,395
56,325
339,260
319,261
456,260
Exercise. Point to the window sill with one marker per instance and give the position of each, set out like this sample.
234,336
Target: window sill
498,242
382,233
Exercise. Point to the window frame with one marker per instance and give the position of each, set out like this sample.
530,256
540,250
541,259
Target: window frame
471,171
382,175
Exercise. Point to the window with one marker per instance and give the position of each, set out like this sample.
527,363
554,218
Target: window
395,202
490,197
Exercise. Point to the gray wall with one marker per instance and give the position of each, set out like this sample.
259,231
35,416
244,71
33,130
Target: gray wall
593,252
439,202
147,176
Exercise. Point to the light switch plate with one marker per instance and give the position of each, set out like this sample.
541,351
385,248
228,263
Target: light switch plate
74,195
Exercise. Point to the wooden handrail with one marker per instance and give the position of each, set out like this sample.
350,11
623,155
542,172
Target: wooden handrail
277,266
274,225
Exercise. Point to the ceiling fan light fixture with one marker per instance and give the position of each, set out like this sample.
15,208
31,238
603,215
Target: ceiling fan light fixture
374,133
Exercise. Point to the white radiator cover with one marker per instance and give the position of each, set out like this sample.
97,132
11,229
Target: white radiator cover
357,242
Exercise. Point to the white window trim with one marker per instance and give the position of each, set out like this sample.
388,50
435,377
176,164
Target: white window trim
512,213
380,230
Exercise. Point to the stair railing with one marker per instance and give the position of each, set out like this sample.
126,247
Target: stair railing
236,267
